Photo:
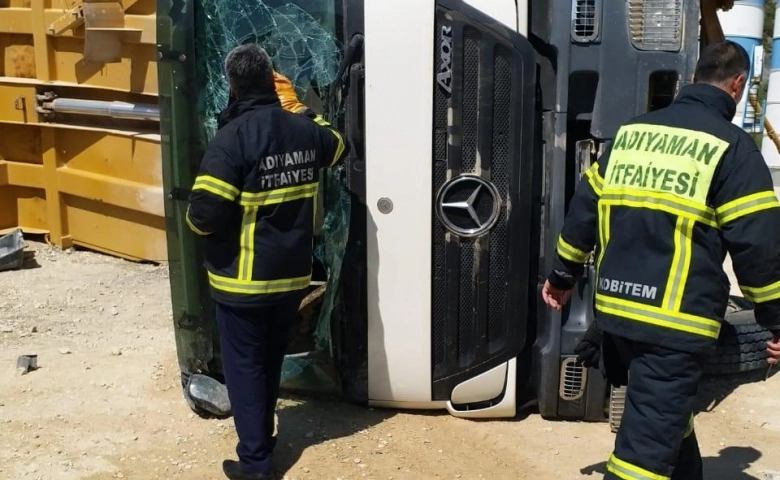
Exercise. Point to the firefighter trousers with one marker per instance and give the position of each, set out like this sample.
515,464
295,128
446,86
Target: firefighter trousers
253,343
656,440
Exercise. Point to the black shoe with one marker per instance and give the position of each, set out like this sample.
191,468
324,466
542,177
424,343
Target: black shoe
233,471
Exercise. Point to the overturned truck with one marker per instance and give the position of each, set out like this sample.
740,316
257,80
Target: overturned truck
470,122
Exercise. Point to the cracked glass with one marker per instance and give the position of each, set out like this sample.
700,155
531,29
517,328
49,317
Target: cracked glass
301,37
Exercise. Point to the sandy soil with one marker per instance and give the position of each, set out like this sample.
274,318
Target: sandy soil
106,403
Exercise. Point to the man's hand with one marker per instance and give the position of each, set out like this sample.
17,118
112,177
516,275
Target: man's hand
773,349
286,94
589,349
555,297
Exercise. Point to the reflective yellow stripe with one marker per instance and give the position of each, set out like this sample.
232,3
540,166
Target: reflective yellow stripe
660,201
681,264
340,147
570,253
258,287
280,195
604,219
246,257
689,429
594,179
660,317
746,205
216,186
627,471
762,294
314,213
192,225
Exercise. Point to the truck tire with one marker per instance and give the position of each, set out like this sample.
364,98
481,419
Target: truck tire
741,348
742,342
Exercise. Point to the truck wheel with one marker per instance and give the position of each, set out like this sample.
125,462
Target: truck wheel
742,342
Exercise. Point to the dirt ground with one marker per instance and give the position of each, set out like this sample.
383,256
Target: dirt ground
106,403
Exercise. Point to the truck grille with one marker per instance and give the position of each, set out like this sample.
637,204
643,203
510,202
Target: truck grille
471,278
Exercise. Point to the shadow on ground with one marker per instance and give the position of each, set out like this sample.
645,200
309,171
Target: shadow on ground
730,464
308,423
714,390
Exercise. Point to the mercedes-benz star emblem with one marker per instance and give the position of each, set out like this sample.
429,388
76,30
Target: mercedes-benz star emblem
468,205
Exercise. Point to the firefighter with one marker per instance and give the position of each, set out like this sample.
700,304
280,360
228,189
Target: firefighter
253,201
675,191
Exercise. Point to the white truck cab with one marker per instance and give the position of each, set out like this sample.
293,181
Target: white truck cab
470,122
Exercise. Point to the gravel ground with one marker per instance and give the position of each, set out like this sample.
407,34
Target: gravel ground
106,402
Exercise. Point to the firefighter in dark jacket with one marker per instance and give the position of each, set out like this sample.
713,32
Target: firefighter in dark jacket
253,202
677,189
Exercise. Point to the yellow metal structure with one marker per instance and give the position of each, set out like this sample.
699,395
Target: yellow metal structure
89,180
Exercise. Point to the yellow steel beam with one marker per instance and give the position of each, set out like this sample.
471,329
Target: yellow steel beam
41,45
55,214
122,193
111,190
19,21
21,174
63,170
94,90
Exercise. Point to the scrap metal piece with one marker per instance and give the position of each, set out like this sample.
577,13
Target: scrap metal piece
12,250
208,395
26,364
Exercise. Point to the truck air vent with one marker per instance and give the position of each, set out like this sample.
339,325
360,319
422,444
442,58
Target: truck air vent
585,20
617,404
656,24
574,377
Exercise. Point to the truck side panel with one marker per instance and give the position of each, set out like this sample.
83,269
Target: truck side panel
398,171
602,80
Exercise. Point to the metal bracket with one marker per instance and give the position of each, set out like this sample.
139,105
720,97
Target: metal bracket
585,150
164,55
71,19
104,27
180,194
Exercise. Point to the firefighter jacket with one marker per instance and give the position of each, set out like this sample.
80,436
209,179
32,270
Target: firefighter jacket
254,197
675,191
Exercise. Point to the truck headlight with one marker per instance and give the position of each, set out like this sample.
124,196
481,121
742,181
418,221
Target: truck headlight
655,24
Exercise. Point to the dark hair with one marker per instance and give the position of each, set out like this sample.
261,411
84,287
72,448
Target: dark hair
249,70
720,62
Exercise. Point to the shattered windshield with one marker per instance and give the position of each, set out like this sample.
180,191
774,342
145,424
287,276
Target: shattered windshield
303,40
301,36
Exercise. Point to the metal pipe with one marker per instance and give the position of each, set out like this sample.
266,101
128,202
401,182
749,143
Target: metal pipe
132,111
